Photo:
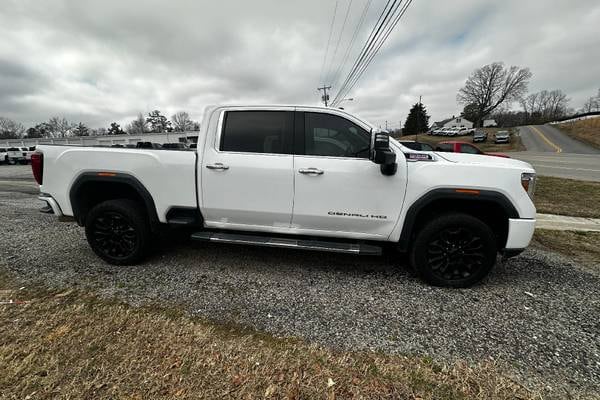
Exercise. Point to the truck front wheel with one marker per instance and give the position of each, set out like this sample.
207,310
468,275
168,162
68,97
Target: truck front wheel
118,231
456,250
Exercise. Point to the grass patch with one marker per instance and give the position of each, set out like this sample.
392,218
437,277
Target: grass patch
487,146
567,197
585,130
71,345
582,246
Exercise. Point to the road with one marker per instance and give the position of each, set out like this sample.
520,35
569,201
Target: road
553,153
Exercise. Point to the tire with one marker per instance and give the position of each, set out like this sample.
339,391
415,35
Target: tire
454,250
118,231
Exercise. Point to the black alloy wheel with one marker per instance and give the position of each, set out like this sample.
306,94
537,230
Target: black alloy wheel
118,231
455,253
454,249
114,235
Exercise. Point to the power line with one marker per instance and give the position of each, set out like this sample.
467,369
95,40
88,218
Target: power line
374,53
337,45
336,76
379,34
328,41
365,47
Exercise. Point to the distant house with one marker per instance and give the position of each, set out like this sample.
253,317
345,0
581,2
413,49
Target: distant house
489,123
454,122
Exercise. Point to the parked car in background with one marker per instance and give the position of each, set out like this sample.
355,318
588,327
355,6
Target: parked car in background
27,154
3,155
16,155
464,147
148,145
174,146
418,146
479,136
502,137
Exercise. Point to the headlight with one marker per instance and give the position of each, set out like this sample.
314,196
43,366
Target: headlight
528,183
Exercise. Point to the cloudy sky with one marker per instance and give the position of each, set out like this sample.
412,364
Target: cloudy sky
104,61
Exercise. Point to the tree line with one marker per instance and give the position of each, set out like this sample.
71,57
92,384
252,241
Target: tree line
60,127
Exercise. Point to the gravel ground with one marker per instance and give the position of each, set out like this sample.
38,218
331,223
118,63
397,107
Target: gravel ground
537,315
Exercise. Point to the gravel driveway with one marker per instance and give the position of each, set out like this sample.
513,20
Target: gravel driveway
538,314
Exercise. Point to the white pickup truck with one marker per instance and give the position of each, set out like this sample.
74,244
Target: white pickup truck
297,177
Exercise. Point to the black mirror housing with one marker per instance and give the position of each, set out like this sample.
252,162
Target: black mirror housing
382,154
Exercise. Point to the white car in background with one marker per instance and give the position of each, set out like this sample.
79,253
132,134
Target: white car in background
3,155
27,152
16,155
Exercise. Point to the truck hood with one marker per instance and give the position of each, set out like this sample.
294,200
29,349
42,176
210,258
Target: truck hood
477,159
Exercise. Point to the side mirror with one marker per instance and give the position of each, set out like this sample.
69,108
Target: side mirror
382,154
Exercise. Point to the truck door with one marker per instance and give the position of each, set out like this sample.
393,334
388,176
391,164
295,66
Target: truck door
338,190
247,172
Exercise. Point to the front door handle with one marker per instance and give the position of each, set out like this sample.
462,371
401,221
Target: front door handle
311,171
218,166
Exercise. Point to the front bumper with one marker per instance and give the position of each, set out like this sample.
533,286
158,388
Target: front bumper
520,232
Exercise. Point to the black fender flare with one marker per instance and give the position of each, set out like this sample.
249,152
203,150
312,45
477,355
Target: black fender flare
467,195
110,177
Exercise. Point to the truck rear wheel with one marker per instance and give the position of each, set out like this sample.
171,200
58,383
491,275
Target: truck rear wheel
118,231
455,250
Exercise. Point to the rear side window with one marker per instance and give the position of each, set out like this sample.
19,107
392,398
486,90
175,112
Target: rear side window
258,132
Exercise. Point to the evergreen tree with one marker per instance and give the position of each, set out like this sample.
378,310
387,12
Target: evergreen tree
115,129
417,120
158,122
81,130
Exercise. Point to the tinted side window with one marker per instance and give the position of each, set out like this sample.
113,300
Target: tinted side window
469,149
445,147
258,132
330,135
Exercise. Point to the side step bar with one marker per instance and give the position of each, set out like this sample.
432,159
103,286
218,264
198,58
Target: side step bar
266,241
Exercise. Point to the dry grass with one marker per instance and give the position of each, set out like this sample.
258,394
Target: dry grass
487,146
567,197
586,130
70,345
582,246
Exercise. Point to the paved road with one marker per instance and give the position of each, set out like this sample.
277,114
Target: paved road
584,167
552,153
546,138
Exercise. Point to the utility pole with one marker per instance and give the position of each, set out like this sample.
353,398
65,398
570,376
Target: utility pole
325,96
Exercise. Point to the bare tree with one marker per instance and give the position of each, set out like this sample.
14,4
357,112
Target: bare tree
59,127
182,122
491,85
138,125
10,129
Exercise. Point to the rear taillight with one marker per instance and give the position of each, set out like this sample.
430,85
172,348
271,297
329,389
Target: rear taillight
37,166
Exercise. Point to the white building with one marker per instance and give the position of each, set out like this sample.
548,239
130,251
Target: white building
454,122
489,123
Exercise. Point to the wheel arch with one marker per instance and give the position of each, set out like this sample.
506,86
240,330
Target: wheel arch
93,187
492,207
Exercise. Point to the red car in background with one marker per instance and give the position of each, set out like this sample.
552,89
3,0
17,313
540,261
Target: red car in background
463,147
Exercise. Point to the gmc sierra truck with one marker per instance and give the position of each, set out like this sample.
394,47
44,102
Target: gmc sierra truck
297,177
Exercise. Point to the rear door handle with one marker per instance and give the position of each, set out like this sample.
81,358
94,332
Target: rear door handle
311,171
218,166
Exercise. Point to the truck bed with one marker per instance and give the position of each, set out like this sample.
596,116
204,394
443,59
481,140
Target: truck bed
169,175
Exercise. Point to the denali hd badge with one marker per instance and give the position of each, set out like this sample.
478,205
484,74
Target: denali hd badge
345,214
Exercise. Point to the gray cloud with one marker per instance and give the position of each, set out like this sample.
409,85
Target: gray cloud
102,61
